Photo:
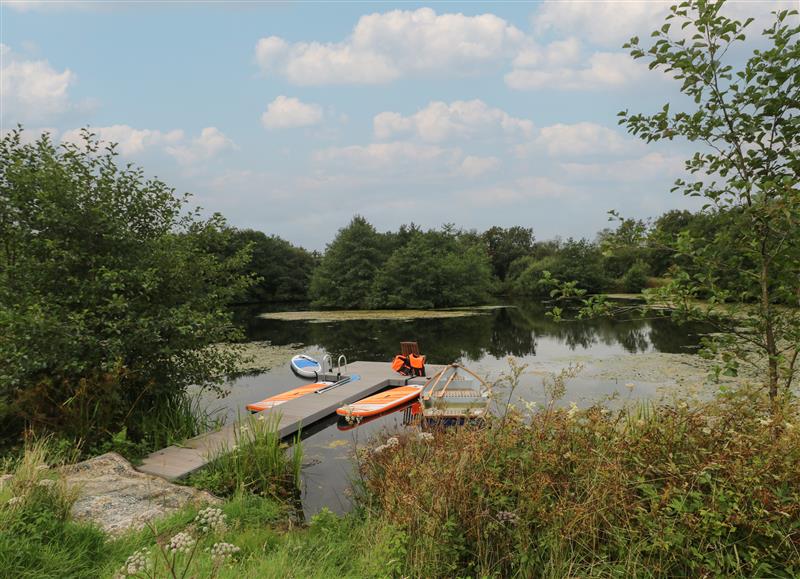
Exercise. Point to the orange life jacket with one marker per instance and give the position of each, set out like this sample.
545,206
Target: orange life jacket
400,365
417,362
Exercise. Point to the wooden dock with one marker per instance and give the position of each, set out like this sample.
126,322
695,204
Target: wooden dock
175,462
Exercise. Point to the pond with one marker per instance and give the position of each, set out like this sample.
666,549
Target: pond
483,342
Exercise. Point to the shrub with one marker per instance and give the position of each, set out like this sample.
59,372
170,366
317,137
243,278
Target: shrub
659,489
636,278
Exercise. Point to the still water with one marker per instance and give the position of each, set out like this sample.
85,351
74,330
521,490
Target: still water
482,342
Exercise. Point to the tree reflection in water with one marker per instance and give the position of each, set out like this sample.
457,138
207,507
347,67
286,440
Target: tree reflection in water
515,330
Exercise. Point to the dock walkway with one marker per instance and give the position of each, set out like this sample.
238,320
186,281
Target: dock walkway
175,462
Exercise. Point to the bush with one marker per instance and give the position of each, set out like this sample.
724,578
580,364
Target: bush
660,490
636,278
110,292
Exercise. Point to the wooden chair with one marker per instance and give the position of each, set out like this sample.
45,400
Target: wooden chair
407,348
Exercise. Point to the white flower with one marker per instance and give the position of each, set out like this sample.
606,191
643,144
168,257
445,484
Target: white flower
508,517
393,441
135,564
181,543
427,436
788,425
221,551
573,409
765,421
14,500
706,430
46,482
211,519
42,467
261,417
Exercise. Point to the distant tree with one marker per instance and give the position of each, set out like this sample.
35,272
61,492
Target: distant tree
624,246
506,245
580,261
747,172
283,271
110,293
348,269
435,269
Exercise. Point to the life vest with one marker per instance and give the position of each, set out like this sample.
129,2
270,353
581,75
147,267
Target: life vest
417,362
401,365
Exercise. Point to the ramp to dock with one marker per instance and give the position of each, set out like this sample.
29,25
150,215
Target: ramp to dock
175,462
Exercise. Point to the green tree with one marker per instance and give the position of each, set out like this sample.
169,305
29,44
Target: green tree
506,245
348,269
580,261
746,169
434,269
109,292
282,271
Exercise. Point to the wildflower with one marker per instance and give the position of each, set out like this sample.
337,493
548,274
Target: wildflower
221,551
211,519
46,482
261,417
14,500
42,467
706,430
573,409
426,436
508,517
135,564
765,421
181,543
392,442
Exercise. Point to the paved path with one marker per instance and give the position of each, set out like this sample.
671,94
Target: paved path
175,462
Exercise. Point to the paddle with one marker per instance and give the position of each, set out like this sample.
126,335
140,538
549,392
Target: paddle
352,378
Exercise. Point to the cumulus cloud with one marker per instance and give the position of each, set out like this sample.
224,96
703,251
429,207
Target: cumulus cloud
385,46
288,112
440,121
650,166
473,166
209,144
523,188
32,90
130,141
579,139
544,69
385,155
611,23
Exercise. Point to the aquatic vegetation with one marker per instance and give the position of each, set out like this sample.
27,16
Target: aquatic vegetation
346,315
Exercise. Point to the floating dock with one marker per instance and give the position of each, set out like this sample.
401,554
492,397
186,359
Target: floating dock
175,462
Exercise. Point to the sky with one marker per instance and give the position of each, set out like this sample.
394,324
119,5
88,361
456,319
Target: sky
291,117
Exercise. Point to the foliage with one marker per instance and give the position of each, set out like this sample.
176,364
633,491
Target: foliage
747,169
256,464
109,292
635,279
348,269
434,269
283,271
645,491
504,245
580,261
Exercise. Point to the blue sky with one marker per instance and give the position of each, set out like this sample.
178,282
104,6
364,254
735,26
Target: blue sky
292,117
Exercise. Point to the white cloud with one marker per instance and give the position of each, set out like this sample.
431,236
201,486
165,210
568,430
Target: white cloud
650,166
287,112
130,141
580,139
385,155
602,70
612,23
32,90
440,121
29,135
386,46
476,166
524,188
209,144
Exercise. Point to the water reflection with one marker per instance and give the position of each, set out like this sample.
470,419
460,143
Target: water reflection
517,330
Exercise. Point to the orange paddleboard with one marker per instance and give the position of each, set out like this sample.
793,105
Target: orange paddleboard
381,402
268,403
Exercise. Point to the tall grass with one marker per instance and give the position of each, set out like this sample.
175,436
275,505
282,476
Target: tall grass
257,463
654,490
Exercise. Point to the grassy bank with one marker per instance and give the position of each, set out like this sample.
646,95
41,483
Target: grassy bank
667,489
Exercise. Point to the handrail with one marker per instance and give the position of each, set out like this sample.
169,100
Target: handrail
327,357
339,364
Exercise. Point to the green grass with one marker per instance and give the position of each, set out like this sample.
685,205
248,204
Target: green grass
257,463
